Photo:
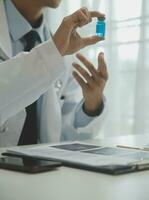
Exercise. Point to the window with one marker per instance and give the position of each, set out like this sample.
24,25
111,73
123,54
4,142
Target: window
126,50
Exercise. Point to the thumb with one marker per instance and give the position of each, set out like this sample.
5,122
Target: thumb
91,40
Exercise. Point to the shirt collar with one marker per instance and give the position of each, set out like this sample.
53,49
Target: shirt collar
18,25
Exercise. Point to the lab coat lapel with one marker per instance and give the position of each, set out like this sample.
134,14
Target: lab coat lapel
50,111
5,42
50,118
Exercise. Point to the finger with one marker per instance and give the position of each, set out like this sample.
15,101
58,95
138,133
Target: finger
97,14
95,74
91,40
90,67
81,82
87,64
82,19
84,74
87,13
79,18
102,67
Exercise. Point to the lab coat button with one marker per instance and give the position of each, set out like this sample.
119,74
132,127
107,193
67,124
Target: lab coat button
58,84
62,97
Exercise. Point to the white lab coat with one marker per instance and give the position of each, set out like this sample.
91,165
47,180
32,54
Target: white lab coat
27,76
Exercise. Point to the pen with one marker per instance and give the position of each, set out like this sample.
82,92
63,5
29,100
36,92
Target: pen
135,148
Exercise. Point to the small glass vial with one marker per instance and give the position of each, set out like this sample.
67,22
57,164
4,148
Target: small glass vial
100,28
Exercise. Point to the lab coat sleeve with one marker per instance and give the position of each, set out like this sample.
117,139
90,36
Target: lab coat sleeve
91,126
81,118
25,77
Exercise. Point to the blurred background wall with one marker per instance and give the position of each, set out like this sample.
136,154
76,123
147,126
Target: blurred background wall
126,50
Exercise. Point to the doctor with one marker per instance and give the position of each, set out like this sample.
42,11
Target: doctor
37,91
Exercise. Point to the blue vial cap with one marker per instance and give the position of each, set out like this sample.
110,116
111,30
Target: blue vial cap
100,28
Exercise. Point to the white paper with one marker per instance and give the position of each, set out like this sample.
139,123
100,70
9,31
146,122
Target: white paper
89,159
